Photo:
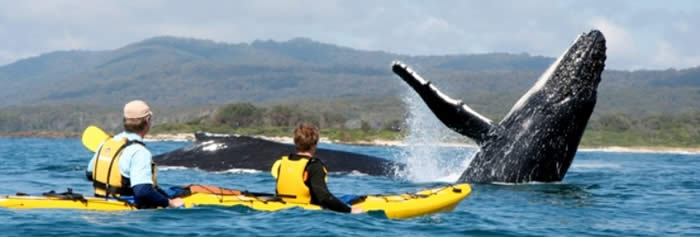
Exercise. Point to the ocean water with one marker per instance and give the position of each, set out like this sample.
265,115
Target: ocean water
603,194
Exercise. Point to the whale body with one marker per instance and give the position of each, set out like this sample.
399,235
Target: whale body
220,153
538,139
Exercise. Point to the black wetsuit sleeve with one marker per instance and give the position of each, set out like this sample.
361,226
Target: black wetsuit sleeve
319,191
148,197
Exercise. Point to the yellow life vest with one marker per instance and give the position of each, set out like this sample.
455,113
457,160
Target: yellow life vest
291,177
106,174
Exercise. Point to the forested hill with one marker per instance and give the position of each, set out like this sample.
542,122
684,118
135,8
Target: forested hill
171,71
178,71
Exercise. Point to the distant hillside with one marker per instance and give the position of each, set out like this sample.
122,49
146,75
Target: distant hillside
168,71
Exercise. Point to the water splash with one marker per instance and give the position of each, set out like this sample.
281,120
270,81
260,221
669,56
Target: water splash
423,156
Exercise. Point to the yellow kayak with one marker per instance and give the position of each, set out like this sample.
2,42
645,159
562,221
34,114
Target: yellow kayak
394,206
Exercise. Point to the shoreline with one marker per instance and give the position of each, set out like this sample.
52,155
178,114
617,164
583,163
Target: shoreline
289,140
189,137
644,149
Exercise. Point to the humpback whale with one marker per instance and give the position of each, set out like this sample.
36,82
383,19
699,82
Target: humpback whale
537,140
219,153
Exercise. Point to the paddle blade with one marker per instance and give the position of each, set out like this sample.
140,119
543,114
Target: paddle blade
93,136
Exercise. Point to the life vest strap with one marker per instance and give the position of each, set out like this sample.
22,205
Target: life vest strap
111,190
286,195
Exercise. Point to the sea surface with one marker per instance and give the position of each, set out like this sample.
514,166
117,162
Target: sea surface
603,194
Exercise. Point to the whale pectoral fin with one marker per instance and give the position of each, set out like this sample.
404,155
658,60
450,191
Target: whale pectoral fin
453,113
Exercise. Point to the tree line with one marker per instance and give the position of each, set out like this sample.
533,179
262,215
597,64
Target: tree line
339,120
674,130
279,120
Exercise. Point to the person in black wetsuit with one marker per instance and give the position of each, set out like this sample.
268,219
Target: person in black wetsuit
301,177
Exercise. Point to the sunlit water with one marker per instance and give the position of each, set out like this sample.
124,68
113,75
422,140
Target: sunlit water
603,194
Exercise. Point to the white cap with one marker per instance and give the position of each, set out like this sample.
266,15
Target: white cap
136,109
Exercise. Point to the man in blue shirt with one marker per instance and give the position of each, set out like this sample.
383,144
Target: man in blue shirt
123,166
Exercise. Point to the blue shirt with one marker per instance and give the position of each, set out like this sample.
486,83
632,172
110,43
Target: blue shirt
134,163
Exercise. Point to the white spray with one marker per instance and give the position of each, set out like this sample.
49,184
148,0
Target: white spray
422,156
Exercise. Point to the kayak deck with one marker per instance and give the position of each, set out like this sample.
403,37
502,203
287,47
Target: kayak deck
406,205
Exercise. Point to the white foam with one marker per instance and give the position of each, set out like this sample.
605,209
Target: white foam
229,171
525,183
163,168
238,171
426,134
356,173
452,178
594,165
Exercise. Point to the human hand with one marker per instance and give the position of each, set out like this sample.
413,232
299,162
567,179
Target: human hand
176,202
356,210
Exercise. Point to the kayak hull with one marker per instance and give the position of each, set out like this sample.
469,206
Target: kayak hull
43,202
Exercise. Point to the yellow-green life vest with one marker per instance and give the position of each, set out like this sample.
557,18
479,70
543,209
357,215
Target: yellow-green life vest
106,174
291,177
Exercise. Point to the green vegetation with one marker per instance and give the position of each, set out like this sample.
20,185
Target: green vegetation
661,130
70,118
345,121
278,120
267,87
334,134
607,130
169,71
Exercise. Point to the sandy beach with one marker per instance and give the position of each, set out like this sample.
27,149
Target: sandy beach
643,149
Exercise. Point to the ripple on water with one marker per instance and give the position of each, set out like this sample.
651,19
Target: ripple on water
604,194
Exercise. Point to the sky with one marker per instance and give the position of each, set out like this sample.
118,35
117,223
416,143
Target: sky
640,34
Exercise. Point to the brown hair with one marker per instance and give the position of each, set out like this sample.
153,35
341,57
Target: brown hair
305,137
135,125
